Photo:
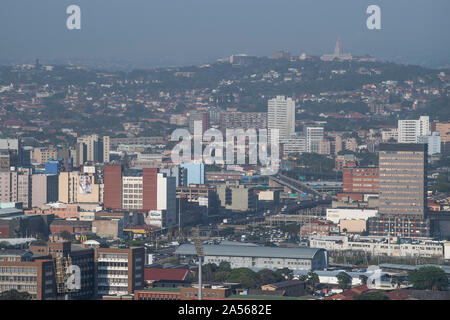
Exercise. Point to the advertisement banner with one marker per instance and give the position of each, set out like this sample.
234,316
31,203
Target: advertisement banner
85,185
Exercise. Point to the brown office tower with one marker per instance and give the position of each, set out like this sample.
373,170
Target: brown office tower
149,189
113,187
402,191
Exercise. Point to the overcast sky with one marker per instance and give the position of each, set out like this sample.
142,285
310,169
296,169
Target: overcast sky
180,32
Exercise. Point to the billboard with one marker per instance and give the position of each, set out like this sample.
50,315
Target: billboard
85,185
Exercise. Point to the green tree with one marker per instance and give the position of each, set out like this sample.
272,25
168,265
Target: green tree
208,271
224,266
344,280
221,276
285,273
429,278
267,276
246,277
14,295
371,296
312,280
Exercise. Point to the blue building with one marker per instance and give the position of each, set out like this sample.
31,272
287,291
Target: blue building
195,173
54,167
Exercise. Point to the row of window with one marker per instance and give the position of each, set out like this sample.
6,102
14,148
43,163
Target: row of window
20,270
6,287
18,279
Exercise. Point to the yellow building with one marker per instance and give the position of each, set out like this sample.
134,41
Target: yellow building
77,187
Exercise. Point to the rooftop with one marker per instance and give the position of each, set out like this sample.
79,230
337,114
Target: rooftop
250,251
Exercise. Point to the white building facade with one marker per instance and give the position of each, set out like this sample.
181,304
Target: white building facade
281,116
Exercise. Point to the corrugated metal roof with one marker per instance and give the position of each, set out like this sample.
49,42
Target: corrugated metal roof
411,267
250,251
334,273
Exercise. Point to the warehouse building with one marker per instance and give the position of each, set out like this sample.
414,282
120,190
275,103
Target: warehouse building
259,257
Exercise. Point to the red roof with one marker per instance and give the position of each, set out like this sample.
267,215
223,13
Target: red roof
156,274
349,294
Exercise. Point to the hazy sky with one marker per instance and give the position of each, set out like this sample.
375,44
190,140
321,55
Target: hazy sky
191,31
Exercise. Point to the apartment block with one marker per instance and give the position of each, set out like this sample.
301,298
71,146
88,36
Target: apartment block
119,271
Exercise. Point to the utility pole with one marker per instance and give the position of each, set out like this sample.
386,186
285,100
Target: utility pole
200,254
179,219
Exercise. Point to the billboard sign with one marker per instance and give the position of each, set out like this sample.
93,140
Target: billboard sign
85,185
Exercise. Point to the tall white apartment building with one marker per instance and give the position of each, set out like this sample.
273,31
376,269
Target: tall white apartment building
281,116
409,131
314,136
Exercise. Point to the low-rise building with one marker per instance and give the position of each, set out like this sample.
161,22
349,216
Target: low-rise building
259,257
379,246
290,288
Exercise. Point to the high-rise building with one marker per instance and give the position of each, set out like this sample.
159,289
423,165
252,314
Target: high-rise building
113,187
179,173
64,254
150,186
337,145
132,193
403,179
5,160
433,141
43,155
164,215
314,136
92,149
78,187
402,192
119,271
324,146
195,173
409,131
202,117
243,120
167,199
14,146
293,145
444,130
44,189
281,116
237,197
15,187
